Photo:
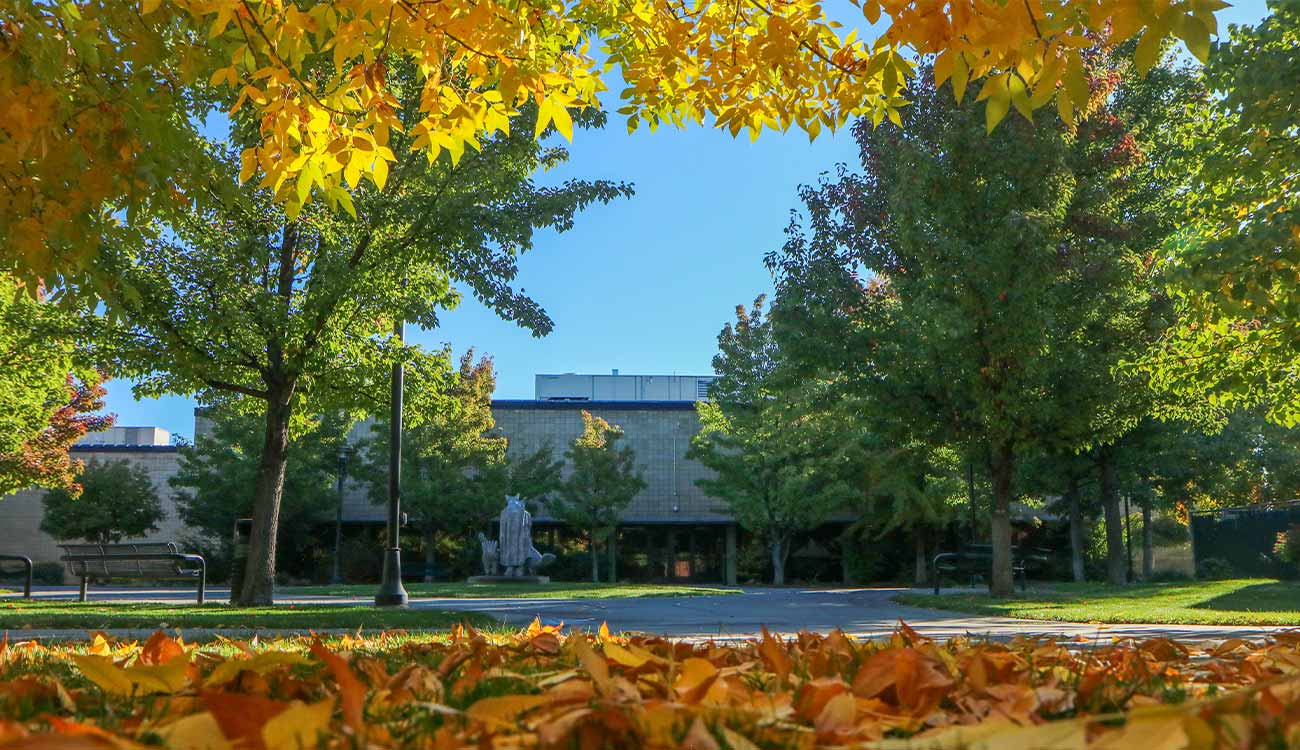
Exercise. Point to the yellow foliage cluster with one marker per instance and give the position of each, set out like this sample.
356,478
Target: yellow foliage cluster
540,688
96,86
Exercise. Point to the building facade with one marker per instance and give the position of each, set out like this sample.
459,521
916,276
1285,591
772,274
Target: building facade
671,531
21,512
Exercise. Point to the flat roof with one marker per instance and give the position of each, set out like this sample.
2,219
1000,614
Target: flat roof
576,404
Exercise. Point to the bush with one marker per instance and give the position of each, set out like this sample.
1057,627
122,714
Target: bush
1169,576
48,573
1215,569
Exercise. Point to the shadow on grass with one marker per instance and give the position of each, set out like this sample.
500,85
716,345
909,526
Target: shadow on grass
1259,597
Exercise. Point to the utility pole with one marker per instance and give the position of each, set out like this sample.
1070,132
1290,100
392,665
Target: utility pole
391,593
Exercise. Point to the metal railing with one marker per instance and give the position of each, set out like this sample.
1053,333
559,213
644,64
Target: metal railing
27,565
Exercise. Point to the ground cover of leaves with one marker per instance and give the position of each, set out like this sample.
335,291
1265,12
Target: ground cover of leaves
542,688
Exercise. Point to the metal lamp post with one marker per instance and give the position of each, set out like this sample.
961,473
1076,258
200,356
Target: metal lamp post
391,593
337,576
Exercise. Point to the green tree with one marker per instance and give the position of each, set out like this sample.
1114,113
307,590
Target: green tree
299,314
450,455
117,500
535,477
47,393
216,481
778,453
1234,266
602,480
982,302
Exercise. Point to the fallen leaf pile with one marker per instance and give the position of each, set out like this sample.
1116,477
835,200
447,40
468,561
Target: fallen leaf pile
541,688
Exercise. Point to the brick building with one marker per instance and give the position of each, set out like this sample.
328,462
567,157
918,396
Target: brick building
671,530
20,513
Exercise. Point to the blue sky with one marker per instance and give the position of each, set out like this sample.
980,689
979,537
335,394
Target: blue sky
643,284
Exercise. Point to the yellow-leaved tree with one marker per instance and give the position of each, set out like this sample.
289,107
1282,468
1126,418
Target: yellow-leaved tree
105,99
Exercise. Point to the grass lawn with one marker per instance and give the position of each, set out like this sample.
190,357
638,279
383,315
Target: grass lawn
462,590
15,615
1250,601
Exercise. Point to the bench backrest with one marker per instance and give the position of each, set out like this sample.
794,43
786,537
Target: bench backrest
126,568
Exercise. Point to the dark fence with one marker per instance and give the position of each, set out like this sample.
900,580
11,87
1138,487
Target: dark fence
1243,537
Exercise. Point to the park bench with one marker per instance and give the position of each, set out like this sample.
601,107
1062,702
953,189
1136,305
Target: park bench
976,559
154,561
27,571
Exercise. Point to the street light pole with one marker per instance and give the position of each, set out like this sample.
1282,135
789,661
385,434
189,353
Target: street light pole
391,593
337,576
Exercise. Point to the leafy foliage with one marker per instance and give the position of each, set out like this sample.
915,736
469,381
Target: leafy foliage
779,458
541,688
48,394
296,314
215,482
109,95
450,455
603,479
117,500
1233,267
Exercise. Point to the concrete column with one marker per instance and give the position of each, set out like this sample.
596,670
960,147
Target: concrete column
729,564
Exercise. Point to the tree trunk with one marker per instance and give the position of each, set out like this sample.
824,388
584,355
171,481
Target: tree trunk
259,573
1148,544
1002,466
595,561
778,561
429,557
1076,531
922,565
1116,556
611,547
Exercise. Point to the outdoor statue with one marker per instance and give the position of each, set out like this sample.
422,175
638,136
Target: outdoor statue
513,550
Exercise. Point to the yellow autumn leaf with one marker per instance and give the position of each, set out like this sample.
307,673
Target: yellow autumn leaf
261,663
997,734
103,672
623,656
194,732
168,677
298,726
503,710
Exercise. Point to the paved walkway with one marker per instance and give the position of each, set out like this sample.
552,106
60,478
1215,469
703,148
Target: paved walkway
860,612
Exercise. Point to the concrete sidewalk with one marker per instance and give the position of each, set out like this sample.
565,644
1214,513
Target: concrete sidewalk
860,612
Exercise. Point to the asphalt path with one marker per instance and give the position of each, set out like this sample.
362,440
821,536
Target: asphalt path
862,612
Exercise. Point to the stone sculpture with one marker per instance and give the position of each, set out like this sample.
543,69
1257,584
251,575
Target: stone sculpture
513,550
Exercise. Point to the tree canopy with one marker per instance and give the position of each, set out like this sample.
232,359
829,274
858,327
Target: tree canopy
781,458
48,393
107,98
603,479
117,500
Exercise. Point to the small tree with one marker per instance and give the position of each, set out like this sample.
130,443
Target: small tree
603,481
117,500
780,454
48,397
534,477
450,483
217,478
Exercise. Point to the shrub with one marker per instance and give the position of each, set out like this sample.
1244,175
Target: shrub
48,573
1287,549
1215,568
